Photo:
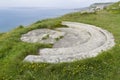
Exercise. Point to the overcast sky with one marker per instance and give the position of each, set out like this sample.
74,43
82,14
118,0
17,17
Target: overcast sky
50,3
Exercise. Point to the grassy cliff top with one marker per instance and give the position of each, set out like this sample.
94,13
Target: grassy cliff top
115,5
105,66
105,4
115,8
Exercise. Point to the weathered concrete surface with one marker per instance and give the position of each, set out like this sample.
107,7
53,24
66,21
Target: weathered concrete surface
42,36
80,41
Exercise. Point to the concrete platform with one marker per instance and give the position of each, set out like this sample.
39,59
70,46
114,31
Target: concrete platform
78,41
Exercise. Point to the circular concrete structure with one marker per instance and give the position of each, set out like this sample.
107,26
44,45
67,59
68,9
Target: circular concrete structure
78,41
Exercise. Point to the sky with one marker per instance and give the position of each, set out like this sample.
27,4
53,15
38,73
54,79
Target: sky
50,3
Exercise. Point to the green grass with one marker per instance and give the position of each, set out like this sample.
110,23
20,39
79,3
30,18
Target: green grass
105,66
115,8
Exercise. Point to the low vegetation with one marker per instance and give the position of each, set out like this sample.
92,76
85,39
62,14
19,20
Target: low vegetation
115,8
105,66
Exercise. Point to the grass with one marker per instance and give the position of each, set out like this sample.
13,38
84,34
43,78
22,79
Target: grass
115,8
105,66
45,37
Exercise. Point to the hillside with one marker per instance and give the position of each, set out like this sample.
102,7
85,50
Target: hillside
106,66
115,8
101,4
95,6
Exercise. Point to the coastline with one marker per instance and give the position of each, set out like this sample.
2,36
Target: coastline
105,66
28,16
44,13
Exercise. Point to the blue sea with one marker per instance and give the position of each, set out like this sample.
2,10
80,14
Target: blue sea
13,17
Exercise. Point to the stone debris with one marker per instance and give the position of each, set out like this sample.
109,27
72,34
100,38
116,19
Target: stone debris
78,41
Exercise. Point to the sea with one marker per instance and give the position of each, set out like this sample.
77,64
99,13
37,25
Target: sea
13,17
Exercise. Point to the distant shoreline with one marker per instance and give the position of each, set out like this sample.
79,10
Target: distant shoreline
27,16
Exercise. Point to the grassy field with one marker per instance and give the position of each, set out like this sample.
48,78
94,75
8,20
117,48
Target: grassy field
105,66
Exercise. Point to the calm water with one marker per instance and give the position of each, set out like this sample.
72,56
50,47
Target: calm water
10,18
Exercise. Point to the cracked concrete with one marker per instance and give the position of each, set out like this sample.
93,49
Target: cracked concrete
80,41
